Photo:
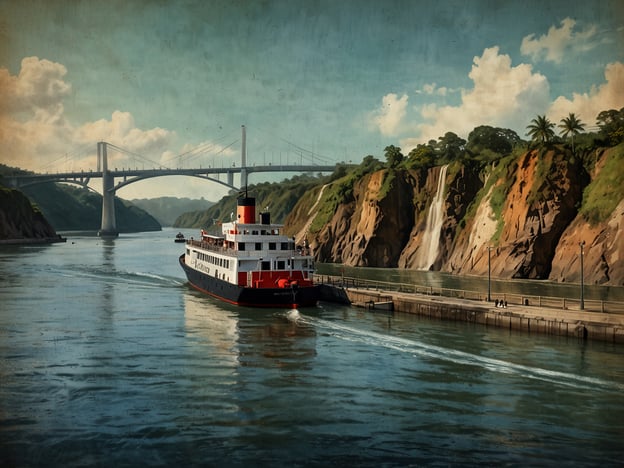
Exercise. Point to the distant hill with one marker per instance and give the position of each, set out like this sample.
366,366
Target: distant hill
278,197
70,208
167,209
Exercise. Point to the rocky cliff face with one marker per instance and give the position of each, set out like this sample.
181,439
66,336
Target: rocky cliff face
369,230
527,211
18,219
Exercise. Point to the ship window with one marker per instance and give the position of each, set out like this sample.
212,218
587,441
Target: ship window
265,266
284,245
263,232
255,233
272,246
241,246
281,264
258,245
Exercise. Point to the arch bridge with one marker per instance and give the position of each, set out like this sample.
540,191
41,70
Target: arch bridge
129,176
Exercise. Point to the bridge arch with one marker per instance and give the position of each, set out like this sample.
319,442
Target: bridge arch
152,176
53,180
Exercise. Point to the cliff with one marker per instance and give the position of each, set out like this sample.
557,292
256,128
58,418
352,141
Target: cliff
531,210
20,222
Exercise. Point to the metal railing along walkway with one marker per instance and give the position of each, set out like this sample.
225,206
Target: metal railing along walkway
613,307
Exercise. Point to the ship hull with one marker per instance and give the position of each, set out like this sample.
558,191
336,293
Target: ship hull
252,297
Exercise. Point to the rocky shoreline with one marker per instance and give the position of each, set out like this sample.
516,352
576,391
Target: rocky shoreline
34,240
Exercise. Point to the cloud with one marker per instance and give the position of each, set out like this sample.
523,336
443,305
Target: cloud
502,95
34,131
552,46
433,89
121,130
38,90
586,106
388,118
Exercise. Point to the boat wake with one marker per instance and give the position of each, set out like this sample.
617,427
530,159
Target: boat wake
128,277
293,315
433,352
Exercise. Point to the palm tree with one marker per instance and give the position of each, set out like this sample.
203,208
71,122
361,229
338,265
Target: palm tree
571,126
541,129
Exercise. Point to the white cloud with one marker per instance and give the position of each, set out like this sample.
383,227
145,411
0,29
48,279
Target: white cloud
388,118
433,89
122,131
587,106
552,46
502,95
39,89
34,131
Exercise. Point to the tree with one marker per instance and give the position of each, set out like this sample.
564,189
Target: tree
495,139
393,155
571,126
450,147
421,156
611,123
541,129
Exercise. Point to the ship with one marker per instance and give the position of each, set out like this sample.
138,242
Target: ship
252,263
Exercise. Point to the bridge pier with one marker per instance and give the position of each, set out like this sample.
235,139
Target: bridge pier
109,224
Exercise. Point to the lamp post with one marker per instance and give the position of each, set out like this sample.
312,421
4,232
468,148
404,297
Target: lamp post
581,245
489,298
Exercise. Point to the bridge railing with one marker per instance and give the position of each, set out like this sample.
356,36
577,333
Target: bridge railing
564,303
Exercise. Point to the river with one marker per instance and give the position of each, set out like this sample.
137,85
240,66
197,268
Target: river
107,357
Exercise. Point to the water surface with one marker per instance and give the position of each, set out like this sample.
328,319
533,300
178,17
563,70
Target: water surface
108,358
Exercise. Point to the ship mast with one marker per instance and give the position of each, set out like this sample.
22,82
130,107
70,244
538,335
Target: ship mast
244,147
244,159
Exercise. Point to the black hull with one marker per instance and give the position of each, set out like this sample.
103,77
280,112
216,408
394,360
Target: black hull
251,297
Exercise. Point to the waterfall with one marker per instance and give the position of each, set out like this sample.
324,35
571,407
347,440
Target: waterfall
428,251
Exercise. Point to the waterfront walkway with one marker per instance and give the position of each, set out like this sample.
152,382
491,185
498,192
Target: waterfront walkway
602,321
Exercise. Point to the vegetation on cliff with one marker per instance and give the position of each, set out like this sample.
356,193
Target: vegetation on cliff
606,190
278,198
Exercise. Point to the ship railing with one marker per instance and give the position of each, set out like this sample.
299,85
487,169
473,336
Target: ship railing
566,303
208,246
297,253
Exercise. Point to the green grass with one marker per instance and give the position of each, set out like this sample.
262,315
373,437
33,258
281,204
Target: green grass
503,169
604,193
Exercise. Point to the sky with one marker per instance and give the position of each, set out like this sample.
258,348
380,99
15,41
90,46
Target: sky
313,81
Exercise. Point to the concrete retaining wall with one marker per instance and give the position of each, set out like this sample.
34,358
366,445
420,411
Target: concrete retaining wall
521,319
